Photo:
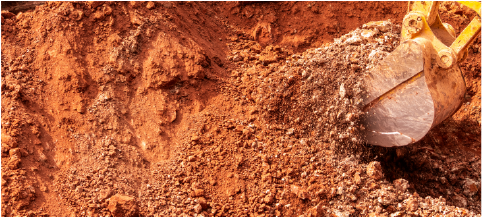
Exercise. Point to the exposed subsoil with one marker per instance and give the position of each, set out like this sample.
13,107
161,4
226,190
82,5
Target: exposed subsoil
219,109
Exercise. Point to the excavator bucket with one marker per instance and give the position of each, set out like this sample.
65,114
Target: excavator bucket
408,95
420,83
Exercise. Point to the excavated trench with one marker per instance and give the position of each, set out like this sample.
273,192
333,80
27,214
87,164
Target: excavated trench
218,109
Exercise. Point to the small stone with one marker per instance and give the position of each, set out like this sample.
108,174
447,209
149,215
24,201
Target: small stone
43,188
269,199
290,131
13,163
340,191
342,91
107,11
231,192
357,178
401,185
105,194
372,186
198,193
94,4
136,20
77,15
412,205
443,180
301,193
150,5
42,157
401,152
374,170
383,26
349,117
470,187
8,141
477,166
15,153
386,197
195,185
247,132
277,213
134,4
239,128
195,138
7,14
98,15
191,158
80,108
198,208
459,201
266,177
202,201
366,33
237,58
317,211
122,205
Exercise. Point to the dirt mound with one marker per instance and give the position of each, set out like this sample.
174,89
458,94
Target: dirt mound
218,109
315,94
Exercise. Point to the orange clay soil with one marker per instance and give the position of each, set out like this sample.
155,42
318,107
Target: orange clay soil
218,109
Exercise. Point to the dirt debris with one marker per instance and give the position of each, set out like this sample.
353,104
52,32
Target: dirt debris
218,109
121,205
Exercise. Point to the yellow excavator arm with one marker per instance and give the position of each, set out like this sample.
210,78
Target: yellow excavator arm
420,83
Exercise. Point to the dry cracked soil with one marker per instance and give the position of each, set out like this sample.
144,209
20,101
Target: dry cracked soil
218,109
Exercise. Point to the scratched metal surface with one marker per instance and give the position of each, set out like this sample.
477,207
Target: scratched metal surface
401,118
448,89
400,65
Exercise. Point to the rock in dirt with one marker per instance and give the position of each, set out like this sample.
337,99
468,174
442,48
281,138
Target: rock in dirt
383,26
412,205
471,187
122,205
386,197
94,4
300,192
7,14
150,5
198,193
105,194
8,141
401,185
317,211
198,208
459,201
357,178
202,201
269,199
374,170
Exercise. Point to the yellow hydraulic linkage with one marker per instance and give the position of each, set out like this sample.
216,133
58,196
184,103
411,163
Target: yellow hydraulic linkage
420,83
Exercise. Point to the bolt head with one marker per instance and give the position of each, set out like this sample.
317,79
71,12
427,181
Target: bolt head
413,23
445,59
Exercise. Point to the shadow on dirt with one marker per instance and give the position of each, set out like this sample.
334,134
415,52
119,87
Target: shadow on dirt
20,6
443,164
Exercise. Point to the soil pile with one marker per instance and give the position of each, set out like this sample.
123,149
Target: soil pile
179,108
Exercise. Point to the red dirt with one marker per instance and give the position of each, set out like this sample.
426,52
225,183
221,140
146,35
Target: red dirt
127,108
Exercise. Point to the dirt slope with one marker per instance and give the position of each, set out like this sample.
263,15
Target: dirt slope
217,108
